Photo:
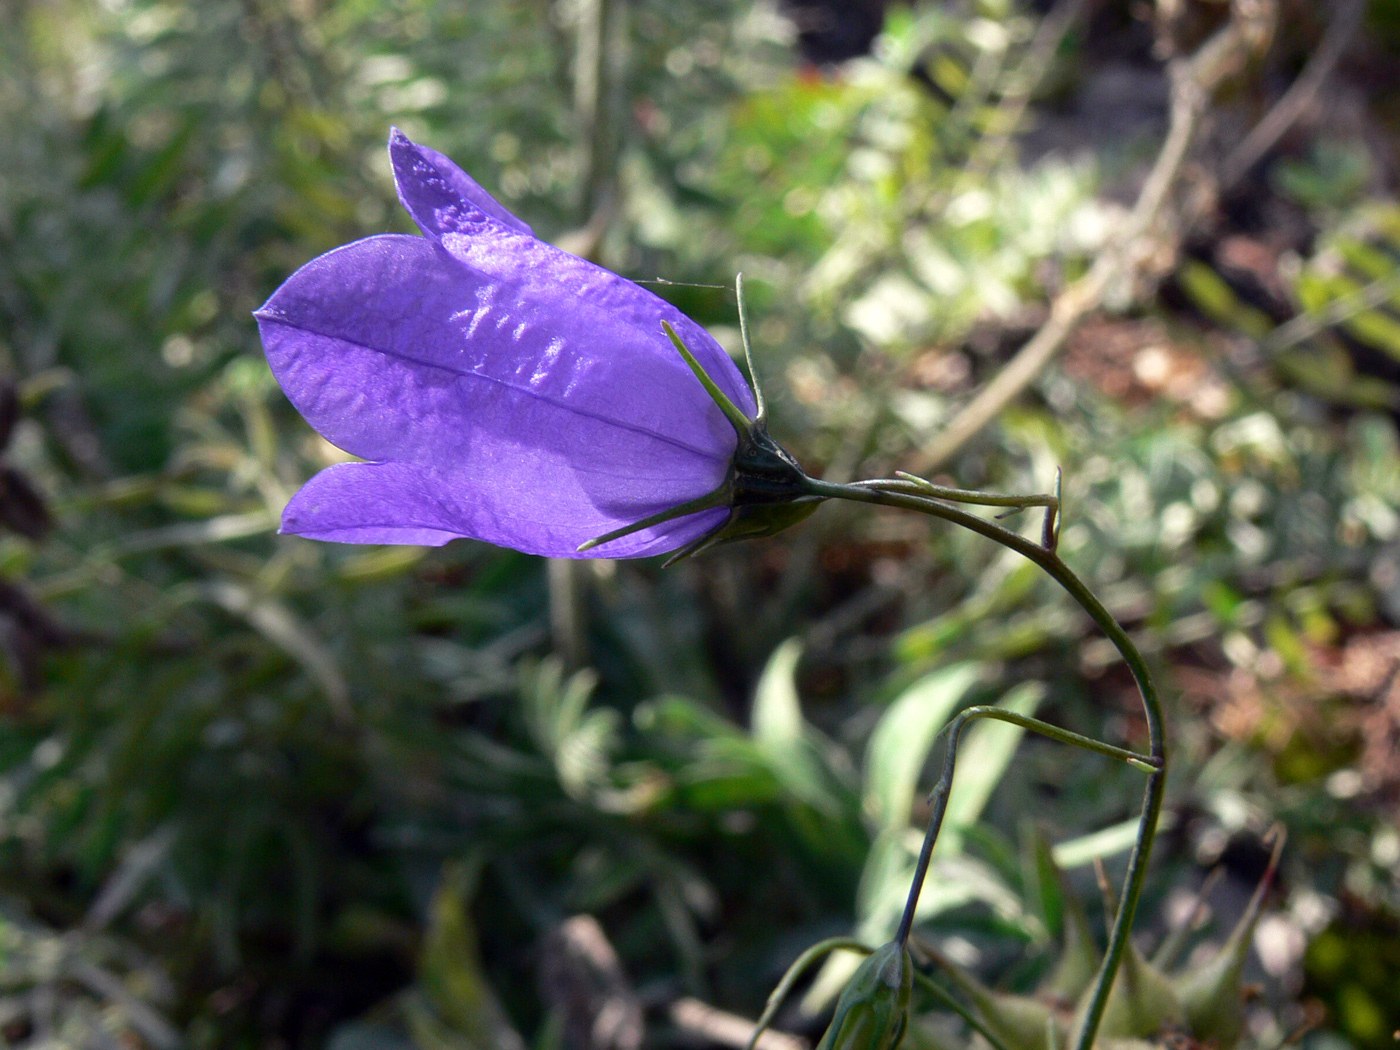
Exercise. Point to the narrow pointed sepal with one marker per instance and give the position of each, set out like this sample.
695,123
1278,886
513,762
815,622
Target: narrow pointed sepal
698,546
736,418
718,498
761,416
1018,1021
765,488
748,522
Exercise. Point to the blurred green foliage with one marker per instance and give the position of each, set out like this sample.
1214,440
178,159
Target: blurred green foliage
269,792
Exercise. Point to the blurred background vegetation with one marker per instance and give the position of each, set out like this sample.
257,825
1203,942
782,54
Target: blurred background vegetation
256,791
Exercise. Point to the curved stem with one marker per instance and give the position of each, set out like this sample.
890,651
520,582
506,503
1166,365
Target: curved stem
938,802
944,787
796,970
1049,561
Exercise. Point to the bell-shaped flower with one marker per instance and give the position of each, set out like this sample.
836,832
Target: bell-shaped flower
501,389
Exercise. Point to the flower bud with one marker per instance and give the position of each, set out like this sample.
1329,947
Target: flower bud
872,1012
1020,1022
1141,1003
1213,994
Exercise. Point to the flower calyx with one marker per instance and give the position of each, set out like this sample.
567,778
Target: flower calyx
765,489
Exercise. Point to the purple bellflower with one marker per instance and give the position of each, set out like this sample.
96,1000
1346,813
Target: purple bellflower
502,389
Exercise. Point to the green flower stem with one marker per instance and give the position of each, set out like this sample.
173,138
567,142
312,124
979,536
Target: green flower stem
939,798
1044,555
1143,762
910,485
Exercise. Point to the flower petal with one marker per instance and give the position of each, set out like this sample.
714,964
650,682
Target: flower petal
440,196
393,351
452,209
406,503
369,503
388,332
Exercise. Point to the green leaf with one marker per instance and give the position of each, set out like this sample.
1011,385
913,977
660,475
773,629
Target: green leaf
1209,291
1064,916
1372,262
899,746
787,745
1379,330
1108,842
777,712
455,1003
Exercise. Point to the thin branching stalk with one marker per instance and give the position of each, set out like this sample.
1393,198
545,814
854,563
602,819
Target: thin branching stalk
905,493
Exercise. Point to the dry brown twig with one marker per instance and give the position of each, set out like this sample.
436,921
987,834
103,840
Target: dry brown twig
583,981
717,1026
1194,80
1298,97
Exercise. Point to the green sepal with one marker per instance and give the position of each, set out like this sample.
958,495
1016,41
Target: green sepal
717,498
1021,1022
1213,996
1018,1021
747,523
762,414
